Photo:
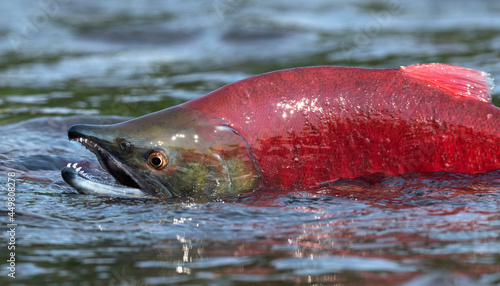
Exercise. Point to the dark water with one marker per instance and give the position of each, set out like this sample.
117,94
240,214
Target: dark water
63,62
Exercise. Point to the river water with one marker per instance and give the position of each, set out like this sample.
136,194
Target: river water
65,62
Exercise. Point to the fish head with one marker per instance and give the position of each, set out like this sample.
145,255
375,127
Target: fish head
174,153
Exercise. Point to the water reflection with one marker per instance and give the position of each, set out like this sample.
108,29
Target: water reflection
409,230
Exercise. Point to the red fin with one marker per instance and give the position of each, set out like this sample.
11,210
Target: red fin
457,80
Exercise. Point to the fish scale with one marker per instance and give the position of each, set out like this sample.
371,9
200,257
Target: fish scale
300,129
350,122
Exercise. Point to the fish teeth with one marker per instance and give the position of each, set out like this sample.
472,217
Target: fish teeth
79,170
85,175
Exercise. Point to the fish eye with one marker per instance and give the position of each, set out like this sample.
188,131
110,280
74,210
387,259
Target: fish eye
157,160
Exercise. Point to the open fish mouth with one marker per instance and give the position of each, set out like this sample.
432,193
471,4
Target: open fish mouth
118,170
127,185
85,184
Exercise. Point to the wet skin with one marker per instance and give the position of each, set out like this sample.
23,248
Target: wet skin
167,154
301,129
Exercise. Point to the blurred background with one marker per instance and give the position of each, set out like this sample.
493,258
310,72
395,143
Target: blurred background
64,62
62,57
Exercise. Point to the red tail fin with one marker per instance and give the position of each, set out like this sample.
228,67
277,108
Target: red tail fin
457,80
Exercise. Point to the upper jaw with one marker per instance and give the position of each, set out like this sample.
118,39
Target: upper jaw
120,171
117,169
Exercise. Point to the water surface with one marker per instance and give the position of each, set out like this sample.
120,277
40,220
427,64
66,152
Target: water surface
67,62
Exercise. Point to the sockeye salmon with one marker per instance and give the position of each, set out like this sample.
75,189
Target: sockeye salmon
301,128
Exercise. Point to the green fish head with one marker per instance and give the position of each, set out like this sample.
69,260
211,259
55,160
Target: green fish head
174,153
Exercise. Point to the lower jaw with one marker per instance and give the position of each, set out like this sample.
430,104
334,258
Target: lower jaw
85,185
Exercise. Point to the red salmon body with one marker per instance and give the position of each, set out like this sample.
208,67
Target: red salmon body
310,126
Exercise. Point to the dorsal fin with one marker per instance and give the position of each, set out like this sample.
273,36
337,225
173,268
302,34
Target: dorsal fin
457,80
